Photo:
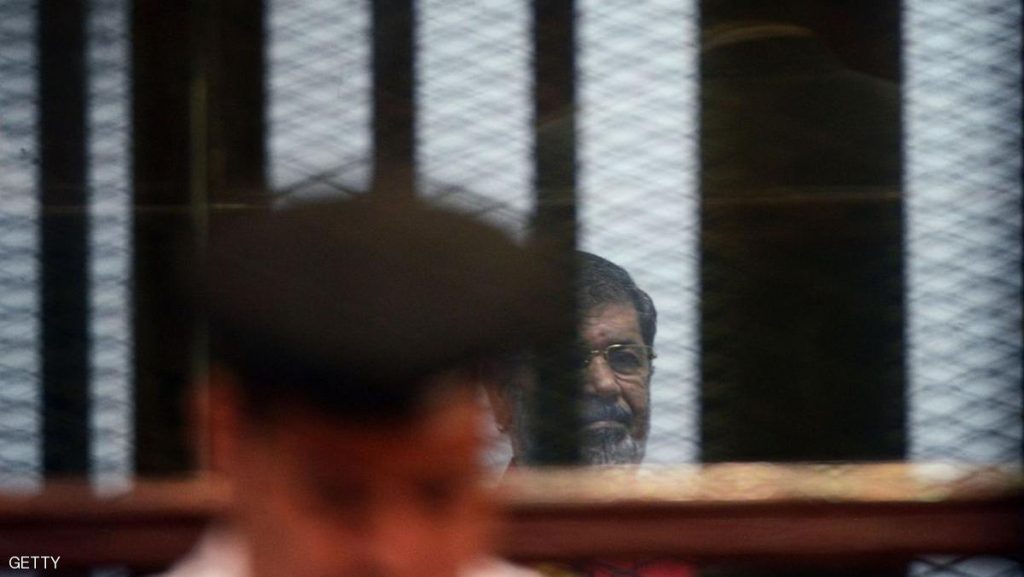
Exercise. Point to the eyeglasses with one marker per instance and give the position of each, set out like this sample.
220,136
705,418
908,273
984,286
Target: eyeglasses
623,359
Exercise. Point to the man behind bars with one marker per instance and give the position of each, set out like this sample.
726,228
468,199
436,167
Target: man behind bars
348,343
618,322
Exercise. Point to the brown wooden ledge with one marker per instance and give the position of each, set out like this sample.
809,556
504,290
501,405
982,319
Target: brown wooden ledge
735,512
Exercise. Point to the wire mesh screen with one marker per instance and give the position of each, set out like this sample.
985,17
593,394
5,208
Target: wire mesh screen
475,153
681,567
475,110
318,80
637,169
821,241
638,189
110,208
964,231
963,184
968,567
20,449
801,267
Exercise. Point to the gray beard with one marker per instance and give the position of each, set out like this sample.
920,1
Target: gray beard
611,447
599,447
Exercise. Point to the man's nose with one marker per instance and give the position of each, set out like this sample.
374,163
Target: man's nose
599,379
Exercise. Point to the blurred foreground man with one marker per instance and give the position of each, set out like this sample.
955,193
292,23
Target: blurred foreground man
348,342
618,322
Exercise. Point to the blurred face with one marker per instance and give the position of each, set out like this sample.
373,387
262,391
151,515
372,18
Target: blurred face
616,392
316,498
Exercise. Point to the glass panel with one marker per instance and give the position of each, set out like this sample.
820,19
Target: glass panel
318,87
802,300
112,424
963,109
638,120
20,394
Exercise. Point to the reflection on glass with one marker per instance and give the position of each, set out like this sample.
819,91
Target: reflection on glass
802,318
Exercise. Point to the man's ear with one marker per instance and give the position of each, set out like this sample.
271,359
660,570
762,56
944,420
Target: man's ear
219,419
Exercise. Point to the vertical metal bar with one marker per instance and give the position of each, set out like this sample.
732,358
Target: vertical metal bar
233,57
394,101
553,408
162,42
64,236
229,136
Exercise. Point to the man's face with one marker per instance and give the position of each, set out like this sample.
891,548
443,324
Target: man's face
316,498
616,411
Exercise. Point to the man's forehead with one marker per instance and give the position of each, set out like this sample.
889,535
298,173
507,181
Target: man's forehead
609,323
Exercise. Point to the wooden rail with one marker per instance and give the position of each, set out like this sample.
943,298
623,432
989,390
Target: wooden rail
758,513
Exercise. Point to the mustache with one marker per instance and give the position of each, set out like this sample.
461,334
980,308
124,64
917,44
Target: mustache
594,410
